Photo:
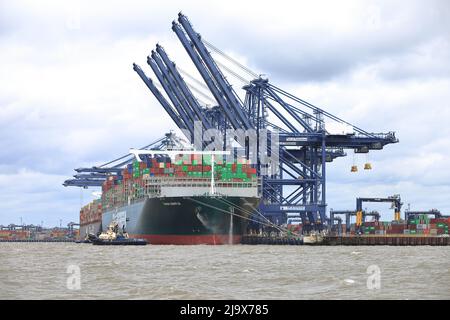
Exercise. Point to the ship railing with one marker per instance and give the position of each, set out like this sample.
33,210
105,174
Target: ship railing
200,182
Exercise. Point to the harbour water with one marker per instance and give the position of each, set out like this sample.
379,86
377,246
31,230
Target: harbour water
84,271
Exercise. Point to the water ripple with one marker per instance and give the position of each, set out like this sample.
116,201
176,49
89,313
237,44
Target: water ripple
39,271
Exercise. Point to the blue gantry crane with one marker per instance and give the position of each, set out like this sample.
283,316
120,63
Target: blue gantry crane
305,146
96,175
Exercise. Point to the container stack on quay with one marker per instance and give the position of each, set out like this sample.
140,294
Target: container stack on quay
57,233
423,225
439,226
15,234
36,233
417,225
294,228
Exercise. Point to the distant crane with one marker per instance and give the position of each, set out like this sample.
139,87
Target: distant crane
361,215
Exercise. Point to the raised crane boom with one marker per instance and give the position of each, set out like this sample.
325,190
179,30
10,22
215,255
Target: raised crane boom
165,104
183,87
167,88
215,72
205,75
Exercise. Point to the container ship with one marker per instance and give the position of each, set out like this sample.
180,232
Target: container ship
192,200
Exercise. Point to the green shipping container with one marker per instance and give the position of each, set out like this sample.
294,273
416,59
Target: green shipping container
206,159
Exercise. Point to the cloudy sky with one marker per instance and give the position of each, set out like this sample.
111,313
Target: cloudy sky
70,98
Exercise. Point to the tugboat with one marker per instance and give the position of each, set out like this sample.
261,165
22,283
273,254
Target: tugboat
114,237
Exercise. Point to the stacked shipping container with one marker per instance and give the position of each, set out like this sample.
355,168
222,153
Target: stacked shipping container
92,212
15,234
419,225
141,178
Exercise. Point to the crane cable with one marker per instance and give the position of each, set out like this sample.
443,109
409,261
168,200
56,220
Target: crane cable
224,211
192,87
233,73
193,78
217,50
270,223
